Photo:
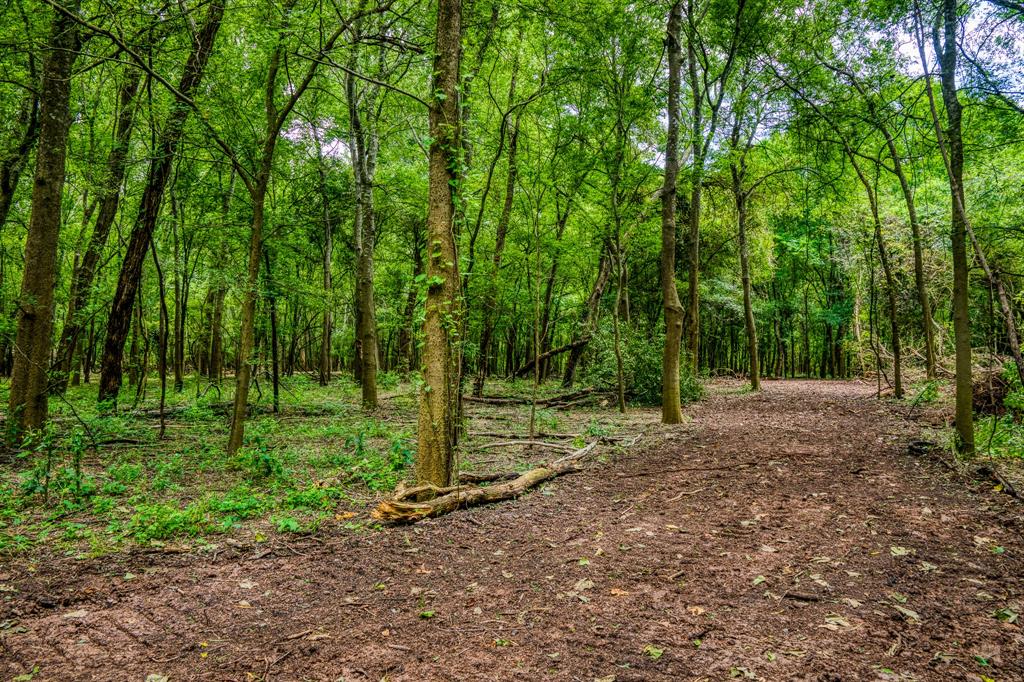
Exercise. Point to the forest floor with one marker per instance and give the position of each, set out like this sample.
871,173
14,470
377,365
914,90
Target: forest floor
780,535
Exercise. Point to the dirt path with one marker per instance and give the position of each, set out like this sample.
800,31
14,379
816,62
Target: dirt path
784,536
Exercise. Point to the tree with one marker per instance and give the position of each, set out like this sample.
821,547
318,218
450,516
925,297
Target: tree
29,377
671,412
119,320
437,428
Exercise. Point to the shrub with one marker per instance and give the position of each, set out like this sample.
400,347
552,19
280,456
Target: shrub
641,366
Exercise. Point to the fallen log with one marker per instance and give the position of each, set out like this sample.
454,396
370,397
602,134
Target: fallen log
472,477
398,510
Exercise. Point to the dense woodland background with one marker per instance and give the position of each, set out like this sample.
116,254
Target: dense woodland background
221,197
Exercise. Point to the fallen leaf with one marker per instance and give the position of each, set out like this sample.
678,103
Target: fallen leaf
80,613
896,550
835,622
907,613
583,584
247,584
653,652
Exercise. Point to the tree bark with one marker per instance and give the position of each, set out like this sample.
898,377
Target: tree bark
437,426
953,159
85,273
13,164
490,302
28,391
671,409
364,156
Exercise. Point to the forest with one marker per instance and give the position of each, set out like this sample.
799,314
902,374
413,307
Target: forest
718,299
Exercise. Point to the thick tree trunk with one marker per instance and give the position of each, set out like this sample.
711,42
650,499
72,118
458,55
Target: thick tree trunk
119,319
671,409
28,392
439,397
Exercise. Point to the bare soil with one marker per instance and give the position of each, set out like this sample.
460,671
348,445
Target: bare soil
783,535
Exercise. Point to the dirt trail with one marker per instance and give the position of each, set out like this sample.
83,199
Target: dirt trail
785,535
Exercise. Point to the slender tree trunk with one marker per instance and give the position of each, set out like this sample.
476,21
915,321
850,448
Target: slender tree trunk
181,288
85,273
919,277
163,337
890,292
364,156
275,372
119,319
326,324
576,348
439,397
243,376
13,164
748,307
28,392
693,209
407,334
620,380
490,302
953,159
671,409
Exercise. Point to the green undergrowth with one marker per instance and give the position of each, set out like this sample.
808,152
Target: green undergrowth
97,482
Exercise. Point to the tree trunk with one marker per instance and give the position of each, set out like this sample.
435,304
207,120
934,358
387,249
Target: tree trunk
119,319
748,307
28,390
326,323
85,273
576,348
13,164
953,159
671,409
364,156
439,397
243,375
407,334
275,371
490,302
